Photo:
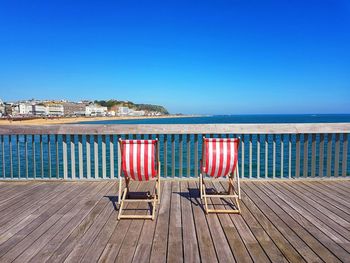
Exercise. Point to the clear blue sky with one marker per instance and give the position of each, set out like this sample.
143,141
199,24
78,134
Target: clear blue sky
212,57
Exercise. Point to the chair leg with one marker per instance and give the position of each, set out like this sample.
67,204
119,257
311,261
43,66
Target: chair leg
122,202
205,197
120,191
201,185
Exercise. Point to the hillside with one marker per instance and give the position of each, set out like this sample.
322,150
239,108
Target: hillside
146,107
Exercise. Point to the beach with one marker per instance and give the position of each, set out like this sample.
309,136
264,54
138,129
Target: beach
70,120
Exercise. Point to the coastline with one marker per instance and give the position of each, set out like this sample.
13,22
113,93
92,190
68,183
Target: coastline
71,120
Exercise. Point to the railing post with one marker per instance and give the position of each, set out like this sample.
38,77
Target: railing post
65,158
345,155
297,156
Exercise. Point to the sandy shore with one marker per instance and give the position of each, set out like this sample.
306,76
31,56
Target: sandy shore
43,121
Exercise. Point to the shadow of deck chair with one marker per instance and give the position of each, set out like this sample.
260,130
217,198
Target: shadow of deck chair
138,161
220,159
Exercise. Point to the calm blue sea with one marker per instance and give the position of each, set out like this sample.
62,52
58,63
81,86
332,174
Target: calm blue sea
301,118
39,165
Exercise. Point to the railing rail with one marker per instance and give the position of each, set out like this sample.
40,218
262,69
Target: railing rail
90,151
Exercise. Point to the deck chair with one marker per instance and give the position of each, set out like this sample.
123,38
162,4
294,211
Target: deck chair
220,159
138,161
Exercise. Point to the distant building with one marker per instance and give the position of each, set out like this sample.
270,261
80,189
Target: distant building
95,110
136,112
25,108
123,111
39,110
74,109
54,109
2,108
111,113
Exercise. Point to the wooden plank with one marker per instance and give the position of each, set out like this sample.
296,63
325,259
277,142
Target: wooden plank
233,238
332,219
221,245
175,249
320,199
345,155
296,234
313,216
33,242
190,248
99,129
144,244
205,242
160,239
41,212
19,228
86,242
333,196
115,242
277,248
325,239
84,221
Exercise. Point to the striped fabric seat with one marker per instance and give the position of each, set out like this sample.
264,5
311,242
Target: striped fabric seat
139,159
221,156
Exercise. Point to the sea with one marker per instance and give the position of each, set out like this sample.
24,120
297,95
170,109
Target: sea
14,164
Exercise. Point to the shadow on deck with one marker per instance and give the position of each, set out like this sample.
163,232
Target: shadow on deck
293,221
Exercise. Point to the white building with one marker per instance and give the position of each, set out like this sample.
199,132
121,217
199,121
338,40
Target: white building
136,112
123,111
25,108
39,110
54,109
95,110
2,108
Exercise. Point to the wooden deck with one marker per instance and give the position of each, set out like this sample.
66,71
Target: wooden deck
289,221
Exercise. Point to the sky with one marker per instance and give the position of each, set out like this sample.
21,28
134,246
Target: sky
193,57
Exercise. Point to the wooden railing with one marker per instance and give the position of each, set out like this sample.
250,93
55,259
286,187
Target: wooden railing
90,151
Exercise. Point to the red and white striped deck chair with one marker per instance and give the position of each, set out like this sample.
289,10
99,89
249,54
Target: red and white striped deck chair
138,161
220,159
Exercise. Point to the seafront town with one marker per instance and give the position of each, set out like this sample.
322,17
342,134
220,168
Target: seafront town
62,108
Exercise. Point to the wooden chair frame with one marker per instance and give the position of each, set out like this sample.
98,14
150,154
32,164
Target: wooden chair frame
154,199
232,192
